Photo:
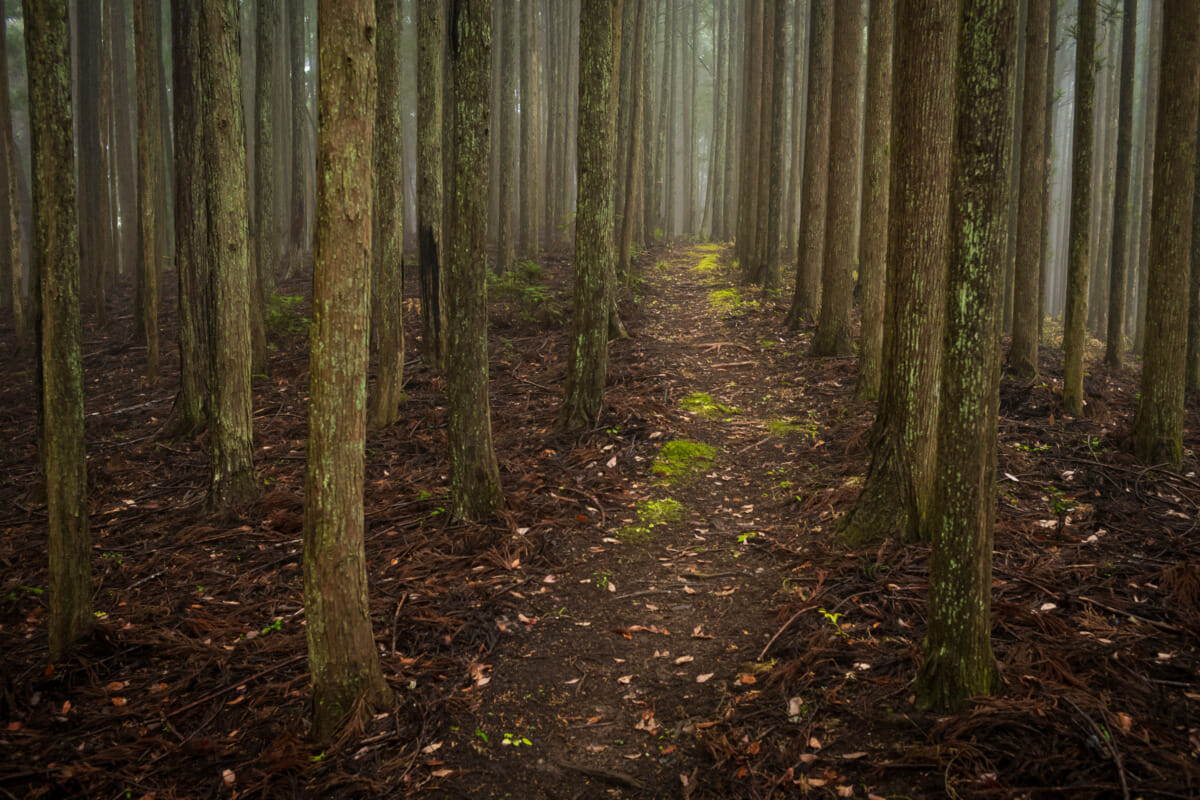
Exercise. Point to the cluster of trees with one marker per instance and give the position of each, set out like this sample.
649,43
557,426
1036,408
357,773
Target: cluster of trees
913,150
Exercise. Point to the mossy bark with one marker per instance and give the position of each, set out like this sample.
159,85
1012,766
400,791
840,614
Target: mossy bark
1078,249
1114,345
475,492
1027,310
146,26
587,360
56,259
10,214
343,661
1158,424
872,245
957,659
230,443
899,482
191,221
267,24
1193,349
387,275
431,33
810,250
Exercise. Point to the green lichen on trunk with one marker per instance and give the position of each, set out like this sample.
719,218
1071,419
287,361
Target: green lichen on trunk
56,259
475,492
957,659
344,664
587,360
1158,425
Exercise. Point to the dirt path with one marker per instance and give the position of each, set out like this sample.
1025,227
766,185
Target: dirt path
652,628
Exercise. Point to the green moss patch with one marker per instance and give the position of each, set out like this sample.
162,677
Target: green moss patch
727,301
650,514
704,405
681,459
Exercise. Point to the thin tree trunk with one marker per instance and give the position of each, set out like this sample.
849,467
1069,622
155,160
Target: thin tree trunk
149,73
10,213
633,184
1114,348
430,38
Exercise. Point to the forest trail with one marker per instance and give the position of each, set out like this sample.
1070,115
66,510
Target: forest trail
656,625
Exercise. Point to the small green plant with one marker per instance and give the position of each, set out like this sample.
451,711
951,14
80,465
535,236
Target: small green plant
835,620
117,557
1060,504
742,539
601,579
482,735
12,594
514,740
276,625
682,459
651,513
282,315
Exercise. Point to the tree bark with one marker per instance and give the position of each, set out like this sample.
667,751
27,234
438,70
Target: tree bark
1079,254
898,488
475,492
872,246
530,221
430,40
833,336
810,250
149,135
1114,348
231,448
56,259
633,166
957,659
10,214
505,241
1023,350
1158,425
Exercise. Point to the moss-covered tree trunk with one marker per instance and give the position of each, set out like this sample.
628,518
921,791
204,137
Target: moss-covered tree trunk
230,443
475,492
510,47
1193,349
1027,311
872,245
191,220
957,661
833,336
56,258
1158,425
810,250
1079,253
387,277
146,24
343,661
10,213
587,360
430,38
1114,346
899,483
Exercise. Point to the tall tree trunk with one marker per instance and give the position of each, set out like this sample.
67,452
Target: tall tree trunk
898,489
343,661
90,179
752,140
1048,174
633,166
125,138
1158,425
56,259
530,211
430,39
957,660
191,221
1193,349
149,73
267,25
1079,263
10,213
810,250
872,246
387,251
475,492
587,363
505,244
796,136
1114,348
1152,102
770,216
231,447
833,336
298,214
1023,350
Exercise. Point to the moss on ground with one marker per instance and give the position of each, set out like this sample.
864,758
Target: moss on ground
682,459
650,514
704,405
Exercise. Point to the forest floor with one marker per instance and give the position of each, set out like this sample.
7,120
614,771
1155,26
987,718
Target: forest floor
662,610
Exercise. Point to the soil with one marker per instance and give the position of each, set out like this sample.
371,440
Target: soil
639,622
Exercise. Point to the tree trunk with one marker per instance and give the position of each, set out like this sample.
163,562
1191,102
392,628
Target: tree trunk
1114,348
872,246
387,252
1023,350
810,250
231,447
1079,255
505,245
430,39
530,210
833,336
587,363
791,199
343,661
1048,174
149,74
1158,425
475,492
898,488
191,221
633,166
752,135
773,158
297,38
10,213
1193,350
957,659
90,179
56,260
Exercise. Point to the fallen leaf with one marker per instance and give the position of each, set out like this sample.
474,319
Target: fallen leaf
14,726
229,777
704,678
698,633
753,748
625,679
706,725
115,686
612,462
527,620
852,756
431,748
808,758
612,587
441,773
845,791
650,629
747,679
647,723
66,706
1125,721
684,660
595,748
666,751
118,701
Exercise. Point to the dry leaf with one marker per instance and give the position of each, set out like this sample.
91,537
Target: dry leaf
229,777
66,706
431,748
441,773
115,686
625,679
753,748
845,791
698,633
814,743
647,723
684,660
119,701
808,758
852,756
704,678
747,679
1125,721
